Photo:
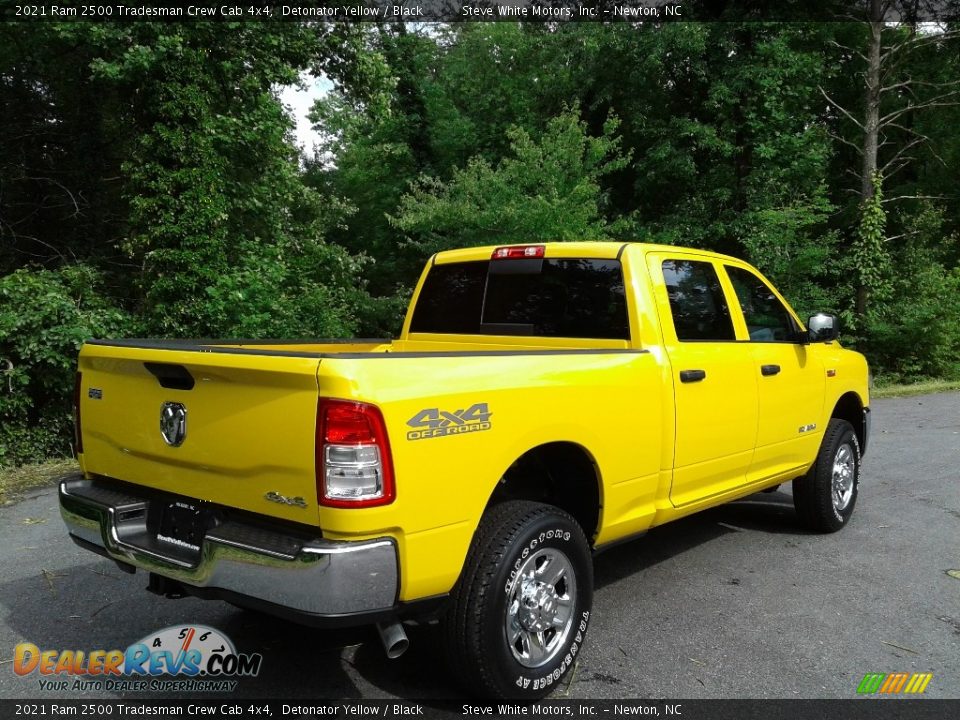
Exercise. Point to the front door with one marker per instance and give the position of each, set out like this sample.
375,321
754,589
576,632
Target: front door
790,378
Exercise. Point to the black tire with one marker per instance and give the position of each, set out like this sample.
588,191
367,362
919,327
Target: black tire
814,493
516,542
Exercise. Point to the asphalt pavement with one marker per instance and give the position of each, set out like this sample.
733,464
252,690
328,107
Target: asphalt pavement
735,602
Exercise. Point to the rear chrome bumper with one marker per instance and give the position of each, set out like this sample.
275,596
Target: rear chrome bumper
306,575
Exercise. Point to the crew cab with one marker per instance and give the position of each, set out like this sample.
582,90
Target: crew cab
541,403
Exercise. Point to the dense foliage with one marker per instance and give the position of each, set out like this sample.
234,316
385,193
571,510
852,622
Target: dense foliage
149,184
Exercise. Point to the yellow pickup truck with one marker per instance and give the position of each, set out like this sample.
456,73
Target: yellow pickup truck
541,403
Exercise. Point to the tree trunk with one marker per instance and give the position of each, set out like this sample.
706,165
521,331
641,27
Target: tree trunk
871,125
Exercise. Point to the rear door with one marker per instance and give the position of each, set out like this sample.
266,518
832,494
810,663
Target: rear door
713,379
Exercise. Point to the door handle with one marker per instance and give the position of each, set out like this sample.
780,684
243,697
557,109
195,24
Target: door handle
769,369
689,376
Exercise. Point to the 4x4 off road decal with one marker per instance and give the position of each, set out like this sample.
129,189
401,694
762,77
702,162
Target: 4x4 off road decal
434,423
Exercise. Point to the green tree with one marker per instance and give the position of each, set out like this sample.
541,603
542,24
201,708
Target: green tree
548,188
912,329
212,176
157,159
45,316
61,148
372,148
453,93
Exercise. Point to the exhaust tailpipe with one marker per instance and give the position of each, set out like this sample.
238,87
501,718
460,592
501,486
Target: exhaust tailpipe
394,639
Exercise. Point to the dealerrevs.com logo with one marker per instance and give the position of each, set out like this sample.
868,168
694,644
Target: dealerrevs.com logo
894,683
193,658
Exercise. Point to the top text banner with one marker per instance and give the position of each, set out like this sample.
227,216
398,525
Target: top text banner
549,11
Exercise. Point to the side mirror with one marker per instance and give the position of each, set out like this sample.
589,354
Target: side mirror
822,327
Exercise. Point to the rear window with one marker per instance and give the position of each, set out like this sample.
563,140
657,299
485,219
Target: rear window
556,297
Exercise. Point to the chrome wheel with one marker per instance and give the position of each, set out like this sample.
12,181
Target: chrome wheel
844,472
540,604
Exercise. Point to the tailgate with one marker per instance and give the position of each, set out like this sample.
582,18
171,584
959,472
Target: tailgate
248,424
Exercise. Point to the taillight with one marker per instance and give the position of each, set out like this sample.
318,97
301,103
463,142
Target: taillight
354,467
77,434
523,251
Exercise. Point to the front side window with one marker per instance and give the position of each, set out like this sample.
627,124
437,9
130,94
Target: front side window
768,320
697,302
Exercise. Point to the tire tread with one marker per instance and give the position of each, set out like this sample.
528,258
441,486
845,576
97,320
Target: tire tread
462,625
812,492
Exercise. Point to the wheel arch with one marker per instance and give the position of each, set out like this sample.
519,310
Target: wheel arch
560,473
849,407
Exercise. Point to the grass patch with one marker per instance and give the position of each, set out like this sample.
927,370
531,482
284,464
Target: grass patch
15,481
921,388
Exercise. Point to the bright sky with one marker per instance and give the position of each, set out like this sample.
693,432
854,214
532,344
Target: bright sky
298,103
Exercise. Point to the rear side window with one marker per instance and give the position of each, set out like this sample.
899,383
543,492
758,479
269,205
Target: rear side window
697,302
555,297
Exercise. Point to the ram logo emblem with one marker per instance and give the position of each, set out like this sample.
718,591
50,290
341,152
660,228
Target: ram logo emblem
173,423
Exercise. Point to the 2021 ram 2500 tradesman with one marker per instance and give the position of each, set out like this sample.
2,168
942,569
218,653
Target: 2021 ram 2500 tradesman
541,402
